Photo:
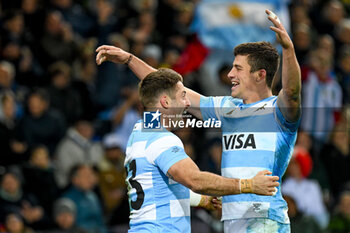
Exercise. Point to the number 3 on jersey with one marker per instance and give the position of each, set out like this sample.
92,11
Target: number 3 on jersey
136,205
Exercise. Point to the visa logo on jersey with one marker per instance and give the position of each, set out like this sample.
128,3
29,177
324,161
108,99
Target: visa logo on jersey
238,141
151,120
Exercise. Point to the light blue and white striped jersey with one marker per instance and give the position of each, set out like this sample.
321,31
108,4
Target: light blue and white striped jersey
255,137
157,203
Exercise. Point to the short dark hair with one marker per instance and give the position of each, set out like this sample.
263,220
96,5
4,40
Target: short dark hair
155,83
261,55
73,172
41,93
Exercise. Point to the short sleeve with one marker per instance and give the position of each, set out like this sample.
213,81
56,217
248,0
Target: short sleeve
210,107
290,126
169,157
165,151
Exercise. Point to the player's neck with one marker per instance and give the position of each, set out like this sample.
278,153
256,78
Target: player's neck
257,96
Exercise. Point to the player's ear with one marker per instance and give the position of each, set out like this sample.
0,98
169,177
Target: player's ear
164,101
261,75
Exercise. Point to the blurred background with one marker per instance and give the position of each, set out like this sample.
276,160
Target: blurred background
64,122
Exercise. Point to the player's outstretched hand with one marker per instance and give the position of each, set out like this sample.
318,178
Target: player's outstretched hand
111,53
281,33
210,203
264,184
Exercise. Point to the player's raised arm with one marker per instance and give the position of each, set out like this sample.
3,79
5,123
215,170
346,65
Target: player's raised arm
119,56
290,96
141,70
187,173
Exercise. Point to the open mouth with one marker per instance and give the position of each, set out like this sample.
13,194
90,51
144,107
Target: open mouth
234,84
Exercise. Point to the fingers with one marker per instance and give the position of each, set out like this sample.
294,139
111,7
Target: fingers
274,182
275,178
273,18
277,30
216,202
271,192
104,47
100,57
275,21
265,172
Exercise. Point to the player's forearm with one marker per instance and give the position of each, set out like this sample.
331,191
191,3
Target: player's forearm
214,185
291,75
140,68
194,98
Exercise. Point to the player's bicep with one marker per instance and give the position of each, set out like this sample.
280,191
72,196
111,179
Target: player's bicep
289,107
281,114
183,172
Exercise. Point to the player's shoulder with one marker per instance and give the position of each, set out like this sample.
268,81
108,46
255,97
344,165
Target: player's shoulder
229,100
163,139
226,101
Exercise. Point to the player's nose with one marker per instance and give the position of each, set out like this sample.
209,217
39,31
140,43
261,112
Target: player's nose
231,74
187,103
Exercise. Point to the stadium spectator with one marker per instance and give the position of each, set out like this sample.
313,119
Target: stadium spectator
126,115
300,222
13,27
85,79
75,14
15,224
63,97
340,220
14,200
34,18
7,74
332,14
108,86
89,215
303,39
152,55
306,192
11,149
7,82
336,159
75,148
108,17
57,42
40,124
38,173
64,212
322,97
111,174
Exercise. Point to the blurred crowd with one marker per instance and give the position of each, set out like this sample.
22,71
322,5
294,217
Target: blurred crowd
64,122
